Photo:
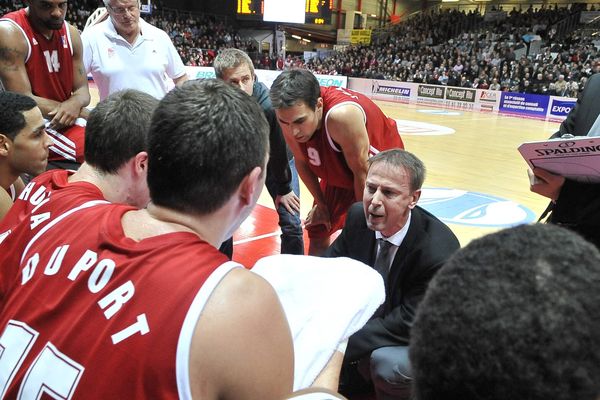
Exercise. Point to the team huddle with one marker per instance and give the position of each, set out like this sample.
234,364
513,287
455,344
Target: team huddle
116,224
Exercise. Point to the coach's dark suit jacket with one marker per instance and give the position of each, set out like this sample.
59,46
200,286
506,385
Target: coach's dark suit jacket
427,245
578,205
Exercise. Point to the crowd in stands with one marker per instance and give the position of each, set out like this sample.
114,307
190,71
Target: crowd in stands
484,55
450,47
198,38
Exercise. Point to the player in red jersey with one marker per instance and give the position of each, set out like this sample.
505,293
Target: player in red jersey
116,161
115,170
332,132
23,145
41,56
115,302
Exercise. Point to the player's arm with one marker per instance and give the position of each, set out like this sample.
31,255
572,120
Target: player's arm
69,110
5,203
329,377
13,52
311,181
346,126
242,346
280,167
319,214
181,80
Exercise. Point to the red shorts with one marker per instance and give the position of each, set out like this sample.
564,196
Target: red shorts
338,202
68,143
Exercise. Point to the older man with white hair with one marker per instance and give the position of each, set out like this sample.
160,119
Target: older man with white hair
126,52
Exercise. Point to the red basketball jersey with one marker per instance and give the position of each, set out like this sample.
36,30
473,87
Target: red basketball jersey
49,66
325,157
49,62
97,315
37,192
44,198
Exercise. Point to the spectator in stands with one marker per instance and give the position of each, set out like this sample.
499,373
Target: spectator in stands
513,315
561,86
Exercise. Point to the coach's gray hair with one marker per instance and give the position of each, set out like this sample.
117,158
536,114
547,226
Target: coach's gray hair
403,159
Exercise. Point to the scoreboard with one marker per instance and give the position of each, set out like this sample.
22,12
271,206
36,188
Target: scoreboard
316,11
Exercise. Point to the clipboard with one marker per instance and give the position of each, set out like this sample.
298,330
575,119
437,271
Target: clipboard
576,158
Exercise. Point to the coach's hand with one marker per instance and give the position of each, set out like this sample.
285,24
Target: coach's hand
547,184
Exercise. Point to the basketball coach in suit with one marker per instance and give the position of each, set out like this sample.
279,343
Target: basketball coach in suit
407,245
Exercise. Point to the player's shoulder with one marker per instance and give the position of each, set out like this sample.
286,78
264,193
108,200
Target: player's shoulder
10,29
344,113
73,30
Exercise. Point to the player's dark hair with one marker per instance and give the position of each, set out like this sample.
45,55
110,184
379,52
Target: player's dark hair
403,159
205,138
513,315
293,86
117,129
12,106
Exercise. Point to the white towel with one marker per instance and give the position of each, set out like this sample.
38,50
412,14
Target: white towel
325,301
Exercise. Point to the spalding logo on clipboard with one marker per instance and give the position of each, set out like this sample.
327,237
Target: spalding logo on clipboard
576,158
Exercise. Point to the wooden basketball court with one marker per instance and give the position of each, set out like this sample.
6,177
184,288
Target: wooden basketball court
479,157
476,179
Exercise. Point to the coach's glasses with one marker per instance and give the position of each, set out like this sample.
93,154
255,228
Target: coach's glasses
123,10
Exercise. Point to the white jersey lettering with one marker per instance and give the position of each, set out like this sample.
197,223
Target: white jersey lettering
86,261
56,260
140,326
38,219
101,275
117,298
29,268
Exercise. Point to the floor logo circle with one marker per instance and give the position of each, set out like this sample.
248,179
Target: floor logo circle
474,209
406,127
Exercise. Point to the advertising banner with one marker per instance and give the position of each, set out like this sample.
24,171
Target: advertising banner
392,91
360,36
552,108
534,105
560,107
460,98
431,94
266,76
487,100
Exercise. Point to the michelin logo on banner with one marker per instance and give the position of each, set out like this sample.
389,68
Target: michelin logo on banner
376,87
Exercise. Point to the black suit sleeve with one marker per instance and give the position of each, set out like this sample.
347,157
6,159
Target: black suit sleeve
394,328
278,164
427,246
356,241
577,204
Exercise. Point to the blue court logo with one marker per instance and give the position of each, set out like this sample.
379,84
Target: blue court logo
474,209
